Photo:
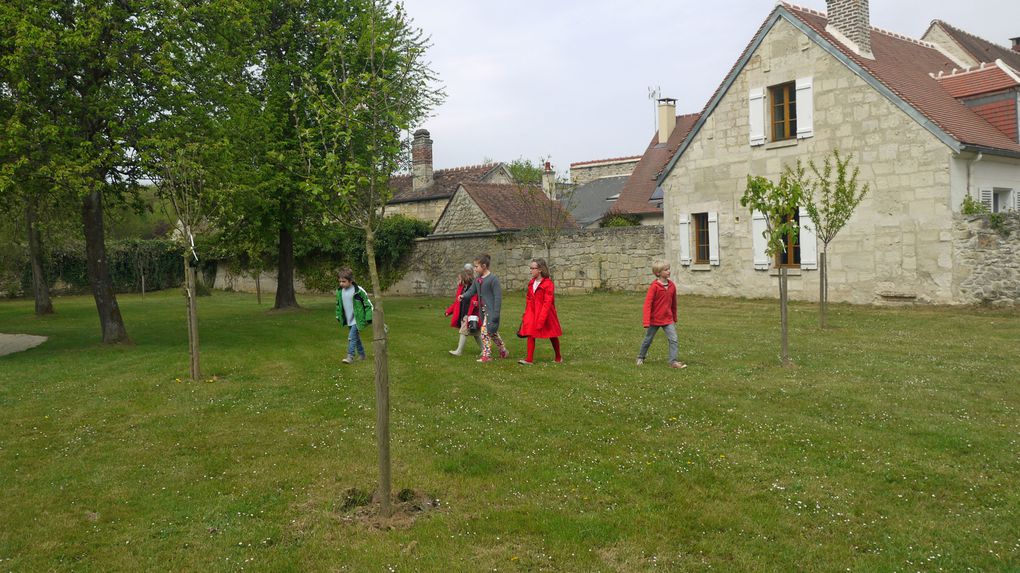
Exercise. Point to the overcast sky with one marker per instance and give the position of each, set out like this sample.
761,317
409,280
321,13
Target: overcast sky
569,79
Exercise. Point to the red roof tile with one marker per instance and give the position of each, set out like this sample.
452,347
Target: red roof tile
903,65
444,183
1002,114
986,79
982,50
641,184
515,207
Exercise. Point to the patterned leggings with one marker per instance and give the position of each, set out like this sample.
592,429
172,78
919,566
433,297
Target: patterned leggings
487,341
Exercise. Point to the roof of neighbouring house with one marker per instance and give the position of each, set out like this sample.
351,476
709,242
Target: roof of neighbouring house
444,183
980,49
587,203
980,80
610,161
515,207
642,182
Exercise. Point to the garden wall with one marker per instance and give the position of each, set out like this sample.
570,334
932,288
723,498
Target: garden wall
987,260
580,260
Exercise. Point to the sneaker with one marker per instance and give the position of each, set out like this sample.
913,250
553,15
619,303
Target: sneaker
454,352
361,357
559,360
504,354
678,365
524,362
348,359
640,361
484,359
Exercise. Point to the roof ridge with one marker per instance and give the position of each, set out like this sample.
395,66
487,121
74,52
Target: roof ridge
971,34
469,167
896,35
604,160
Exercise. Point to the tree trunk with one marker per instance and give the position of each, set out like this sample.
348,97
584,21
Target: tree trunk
823,290
40,288
258,286
382,378
285,295
110,321
192,301
783,323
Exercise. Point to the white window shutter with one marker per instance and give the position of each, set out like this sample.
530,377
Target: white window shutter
986,197
758,228
756,115
713,238
1016,200
685,239
805,108
807,236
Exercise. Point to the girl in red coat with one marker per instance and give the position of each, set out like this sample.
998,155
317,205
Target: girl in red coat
539,320
461,312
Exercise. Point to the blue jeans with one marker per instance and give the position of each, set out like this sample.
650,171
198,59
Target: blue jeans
354,343
674,345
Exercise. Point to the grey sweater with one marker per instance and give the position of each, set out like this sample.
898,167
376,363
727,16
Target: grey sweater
491,295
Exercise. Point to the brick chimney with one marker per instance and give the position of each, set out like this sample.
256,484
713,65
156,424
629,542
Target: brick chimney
850,22
1016,43
421,160
549,181
667,118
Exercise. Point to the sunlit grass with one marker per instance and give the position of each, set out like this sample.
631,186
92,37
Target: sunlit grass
892,445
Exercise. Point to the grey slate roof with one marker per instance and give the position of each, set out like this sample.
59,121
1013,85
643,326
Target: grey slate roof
587,203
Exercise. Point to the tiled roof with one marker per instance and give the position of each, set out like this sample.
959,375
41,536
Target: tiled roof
641,184
1002,114
904,65
982,50
588,202
444,183
977,81
514,207
600,161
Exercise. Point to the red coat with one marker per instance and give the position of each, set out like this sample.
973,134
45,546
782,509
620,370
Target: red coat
660,304
540,320
453,311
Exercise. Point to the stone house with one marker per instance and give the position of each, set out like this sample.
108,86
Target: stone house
925,129
582,172
499,208
425,192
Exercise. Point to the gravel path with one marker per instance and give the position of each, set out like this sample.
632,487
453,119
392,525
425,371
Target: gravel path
11,343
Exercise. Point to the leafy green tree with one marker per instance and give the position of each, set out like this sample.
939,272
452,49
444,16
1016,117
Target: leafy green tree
82,74
831,202
372,83
778,202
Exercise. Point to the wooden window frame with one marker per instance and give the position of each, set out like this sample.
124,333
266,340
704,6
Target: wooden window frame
792,246
702,238
783,111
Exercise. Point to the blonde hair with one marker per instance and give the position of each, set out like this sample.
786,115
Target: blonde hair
659,266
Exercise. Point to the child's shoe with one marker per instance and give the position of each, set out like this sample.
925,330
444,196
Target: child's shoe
348,359
640,361
361,357
454,352
678,365
504,354
484,359
558,360
524,362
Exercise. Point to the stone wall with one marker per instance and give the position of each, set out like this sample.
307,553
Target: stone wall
580,260
429,210
463,216
584,172
988,260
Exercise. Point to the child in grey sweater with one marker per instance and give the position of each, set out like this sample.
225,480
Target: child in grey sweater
486,286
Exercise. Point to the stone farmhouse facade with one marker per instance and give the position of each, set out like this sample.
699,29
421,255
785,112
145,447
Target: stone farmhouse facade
425,192
928,122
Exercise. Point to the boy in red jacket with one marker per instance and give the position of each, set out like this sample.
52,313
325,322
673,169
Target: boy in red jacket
660,312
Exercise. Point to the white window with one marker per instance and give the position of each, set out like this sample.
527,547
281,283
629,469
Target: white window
685,239
699,238
788,114
756,115
1000,199
800,252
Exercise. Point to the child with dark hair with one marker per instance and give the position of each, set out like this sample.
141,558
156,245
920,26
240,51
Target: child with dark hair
354,310
464,313
540,320
486,286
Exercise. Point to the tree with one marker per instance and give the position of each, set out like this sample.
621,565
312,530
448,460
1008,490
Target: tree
373,82
546,208
779,204
830,204
83,74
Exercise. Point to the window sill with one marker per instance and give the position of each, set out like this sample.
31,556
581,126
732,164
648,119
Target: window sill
700,267
781,144
790,272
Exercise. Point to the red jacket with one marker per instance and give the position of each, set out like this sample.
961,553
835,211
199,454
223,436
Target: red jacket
660,304
453,310
540,320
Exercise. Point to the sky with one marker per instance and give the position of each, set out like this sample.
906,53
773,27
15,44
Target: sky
568,80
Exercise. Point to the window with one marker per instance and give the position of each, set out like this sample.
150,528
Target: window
701,240
790,257
783,105
1002,200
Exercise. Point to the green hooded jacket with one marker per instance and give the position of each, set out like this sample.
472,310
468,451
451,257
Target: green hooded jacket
362,307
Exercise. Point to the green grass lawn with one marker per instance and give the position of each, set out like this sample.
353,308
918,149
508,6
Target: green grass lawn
892,445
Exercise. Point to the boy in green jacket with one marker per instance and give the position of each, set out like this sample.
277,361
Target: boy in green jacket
354,310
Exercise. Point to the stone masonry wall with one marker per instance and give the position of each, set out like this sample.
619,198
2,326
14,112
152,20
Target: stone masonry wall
463,216
424,210
988,261
581,174
580,260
